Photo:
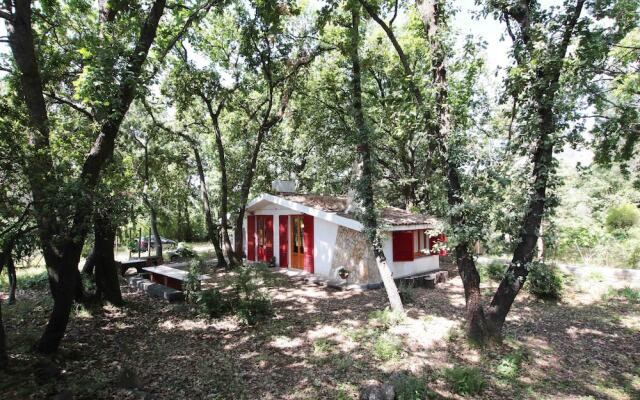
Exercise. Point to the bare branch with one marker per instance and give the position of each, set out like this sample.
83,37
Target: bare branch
71,104
4,14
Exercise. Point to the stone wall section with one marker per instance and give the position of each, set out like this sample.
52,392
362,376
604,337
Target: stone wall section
353,253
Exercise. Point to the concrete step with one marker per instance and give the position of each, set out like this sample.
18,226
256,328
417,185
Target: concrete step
155,289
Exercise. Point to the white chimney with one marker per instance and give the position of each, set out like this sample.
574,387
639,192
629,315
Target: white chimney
283,187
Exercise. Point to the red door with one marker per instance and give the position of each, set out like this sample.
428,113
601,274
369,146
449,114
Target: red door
284,240
265,237
308,243
251,238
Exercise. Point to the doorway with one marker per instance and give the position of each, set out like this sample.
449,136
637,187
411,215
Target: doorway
297,242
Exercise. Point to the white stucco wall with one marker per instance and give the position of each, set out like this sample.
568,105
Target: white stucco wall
401,269
324,238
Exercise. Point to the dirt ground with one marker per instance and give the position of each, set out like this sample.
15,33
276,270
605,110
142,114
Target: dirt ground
324,344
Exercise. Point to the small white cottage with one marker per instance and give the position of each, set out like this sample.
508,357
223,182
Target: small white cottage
316,234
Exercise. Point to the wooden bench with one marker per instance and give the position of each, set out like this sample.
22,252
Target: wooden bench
427,280
171,276
139,263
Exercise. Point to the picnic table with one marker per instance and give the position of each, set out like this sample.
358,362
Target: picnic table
139,263
171,275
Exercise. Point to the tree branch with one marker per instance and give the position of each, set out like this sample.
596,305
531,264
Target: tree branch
71,104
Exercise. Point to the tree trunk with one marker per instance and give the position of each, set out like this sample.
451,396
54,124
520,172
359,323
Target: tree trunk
4,358
212,229
63,282
227,249
244,191
544,93
154,229
13,282
366,174
188,231
90,262
106,269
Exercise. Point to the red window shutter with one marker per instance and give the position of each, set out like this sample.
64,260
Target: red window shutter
402,245
308,243
268,224
284,240
251,238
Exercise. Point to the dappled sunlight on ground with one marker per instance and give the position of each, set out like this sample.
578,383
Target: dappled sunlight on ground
323,344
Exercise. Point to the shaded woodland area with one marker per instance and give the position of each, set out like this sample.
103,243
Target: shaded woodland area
163,119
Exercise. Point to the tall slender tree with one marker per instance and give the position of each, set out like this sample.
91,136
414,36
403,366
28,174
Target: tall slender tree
365,175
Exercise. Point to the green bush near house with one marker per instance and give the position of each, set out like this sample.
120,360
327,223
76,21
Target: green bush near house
245,299
465,380
254,309
622,217
545,281
213,303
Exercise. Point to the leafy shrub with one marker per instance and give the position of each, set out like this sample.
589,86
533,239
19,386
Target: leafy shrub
410,387
622,217
387,347
545,281
494,270
244,299
634,258
254,309
465,380
192,285
213,303
387,318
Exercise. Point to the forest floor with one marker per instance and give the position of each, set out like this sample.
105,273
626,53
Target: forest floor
324,344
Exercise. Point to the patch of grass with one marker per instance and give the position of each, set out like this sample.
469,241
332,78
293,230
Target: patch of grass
387,347
28,277
361,334
342,364
410,387
82,312
386,318
321,346
595,276
465,380
509,366
454,334
628,293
